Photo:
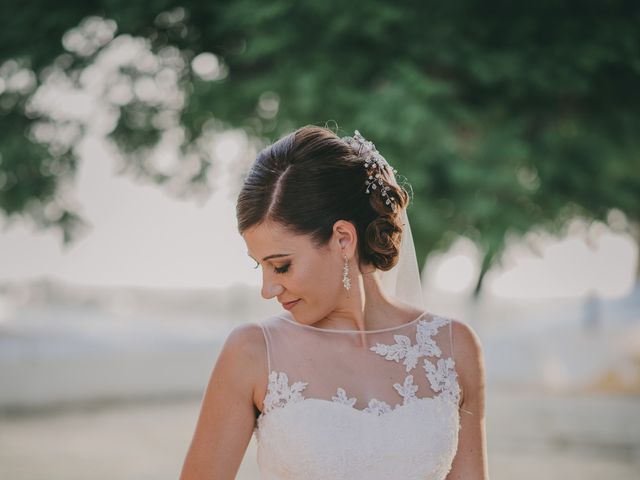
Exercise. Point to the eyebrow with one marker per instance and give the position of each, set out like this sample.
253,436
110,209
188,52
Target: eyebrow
275,255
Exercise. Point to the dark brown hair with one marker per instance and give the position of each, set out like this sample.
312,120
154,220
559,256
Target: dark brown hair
308,180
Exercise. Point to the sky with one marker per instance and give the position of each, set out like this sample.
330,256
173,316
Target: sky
141,236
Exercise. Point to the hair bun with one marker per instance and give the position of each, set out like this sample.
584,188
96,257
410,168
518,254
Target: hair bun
383,237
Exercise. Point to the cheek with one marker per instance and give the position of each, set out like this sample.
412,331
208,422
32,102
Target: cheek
317,276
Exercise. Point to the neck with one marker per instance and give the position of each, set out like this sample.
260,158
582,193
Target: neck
367,308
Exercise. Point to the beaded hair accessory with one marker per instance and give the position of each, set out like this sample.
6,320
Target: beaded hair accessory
374,163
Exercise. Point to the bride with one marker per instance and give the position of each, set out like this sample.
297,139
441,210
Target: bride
354,379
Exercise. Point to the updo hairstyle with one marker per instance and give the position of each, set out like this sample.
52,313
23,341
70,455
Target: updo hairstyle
308,180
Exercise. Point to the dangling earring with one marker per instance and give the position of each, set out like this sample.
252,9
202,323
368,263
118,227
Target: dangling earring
346,281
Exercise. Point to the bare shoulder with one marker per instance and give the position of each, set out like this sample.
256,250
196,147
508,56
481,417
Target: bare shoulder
245,344
243,353
245,341
468,356
467,343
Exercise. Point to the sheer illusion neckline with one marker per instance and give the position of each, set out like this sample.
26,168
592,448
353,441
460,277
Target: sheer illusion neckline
338,330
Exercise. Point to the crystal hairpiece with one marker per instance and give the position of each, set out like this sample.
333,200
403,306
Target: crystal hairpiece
374,163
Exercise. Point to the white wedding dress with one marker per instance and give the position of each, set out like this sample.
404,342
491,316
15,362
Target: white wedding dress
346,404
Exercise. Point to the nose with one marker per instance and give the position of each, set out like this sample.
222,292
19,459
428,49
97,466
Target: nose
270,288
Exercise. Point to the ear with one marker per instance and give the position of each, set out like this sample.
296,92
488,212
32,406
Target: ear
345,237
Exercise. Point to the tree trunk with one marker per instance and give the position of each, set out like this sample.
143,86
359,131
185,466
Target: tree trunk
487,260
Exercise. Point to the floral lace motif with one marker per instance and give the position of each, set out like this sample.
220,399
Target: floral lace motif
408,390
442,376
403,349
279,393
377,407
342,398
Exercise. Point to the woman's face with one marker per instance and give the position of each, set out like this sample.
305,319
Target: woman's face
294,269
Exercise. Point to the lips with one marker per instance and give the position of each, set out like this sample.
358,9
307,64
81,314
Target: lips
289,305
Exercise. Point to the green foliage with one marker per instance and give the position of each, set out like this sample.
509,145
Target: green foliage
503,117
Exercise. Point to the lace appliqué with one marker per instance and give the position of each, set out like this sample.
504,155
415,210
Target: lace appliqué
377,407
443,378
403,349
279,393
407,391
342,398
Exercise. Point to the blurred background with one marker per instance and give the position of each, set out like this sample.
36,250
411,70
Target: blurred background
126,129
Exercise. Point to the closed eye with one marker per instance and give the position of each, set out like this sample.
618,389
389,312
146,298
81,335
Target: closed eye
282,269
278,270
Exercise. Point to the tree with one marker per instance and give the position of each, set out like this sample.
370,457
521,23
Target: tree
504,117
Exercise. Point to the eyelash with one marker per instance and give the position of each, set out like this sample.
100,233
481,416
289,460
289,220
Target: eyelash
282,269
279,270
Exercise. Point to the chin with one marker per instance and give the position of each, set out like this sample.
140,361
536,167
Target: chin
295,314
